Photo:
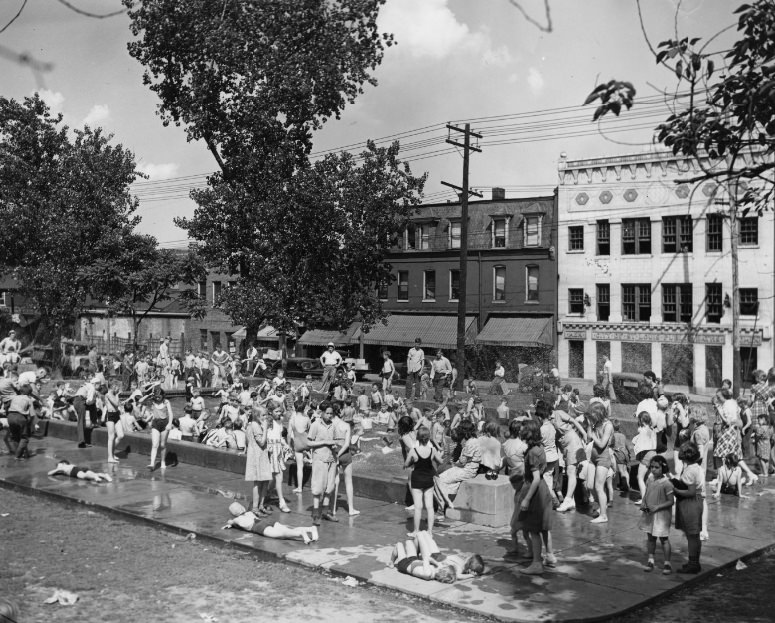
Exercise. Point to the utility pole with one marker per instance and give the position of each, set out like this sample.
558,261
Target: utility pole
463,285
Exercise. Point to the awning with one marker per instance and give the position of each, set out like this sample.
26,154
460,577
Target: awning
321,337
240,334
434,331
523,331
268,334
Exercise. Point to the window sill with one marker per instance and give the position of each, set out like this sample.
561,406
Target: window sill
574,251
532,302
498,302
453,300
402,300
429,300
747,246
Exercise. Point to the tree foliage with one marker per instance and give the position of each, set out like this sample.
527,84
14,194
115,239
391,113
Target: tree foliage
64,205
254,80
139,276
316,259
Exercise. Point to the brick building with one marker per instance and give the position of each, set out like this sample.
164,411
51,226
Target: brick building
511,284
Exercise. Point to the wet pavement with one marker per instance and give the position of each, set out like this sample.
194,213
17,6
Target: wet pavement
599,573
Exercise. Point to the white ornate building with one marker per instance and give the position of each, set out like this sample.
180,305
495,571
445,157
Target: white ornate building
645,273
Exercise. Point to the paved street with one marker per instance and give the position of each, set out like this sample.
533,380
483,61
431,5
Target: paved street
599,574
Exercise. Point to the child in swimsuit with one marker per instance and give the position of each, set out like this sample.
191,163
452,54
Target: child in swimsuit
65,468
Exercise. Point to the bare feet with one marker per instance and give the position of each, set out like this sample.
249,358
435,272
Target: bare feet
354,512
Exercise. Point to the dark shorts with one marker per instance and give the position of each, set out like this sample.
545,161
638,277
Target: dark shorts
645,457
160,424
345,459
403,564
262,524
75,469
114,416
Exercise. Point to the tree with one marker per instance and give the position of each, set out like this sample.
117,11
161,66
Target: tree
140,276
64,205
727,124
320,260
307,241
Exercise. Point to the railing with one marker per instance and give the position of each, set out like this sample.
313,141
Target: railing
120,344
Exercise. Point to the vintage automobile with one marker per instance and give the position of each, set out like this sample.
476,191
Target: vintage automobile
628,386
75,358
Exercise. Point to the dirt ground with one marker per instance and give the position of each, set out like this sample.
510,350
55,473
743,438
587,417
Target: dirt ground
126,572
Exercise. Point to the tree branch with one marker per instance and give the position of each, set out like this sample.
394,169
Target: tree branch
541,27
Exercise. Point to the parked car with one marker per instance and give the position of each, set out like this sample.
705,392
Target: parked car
628,387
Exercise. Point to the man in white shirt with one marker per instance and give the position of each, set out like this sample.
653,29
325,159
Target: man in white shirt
10,341
441,369
85,395
331,360
415,361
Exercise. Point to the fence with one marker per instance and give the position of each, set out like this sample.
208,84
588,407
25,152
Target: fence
120,344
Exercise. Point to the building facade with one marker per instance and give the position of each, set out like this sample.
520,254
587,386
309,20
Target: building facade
511,277
645,273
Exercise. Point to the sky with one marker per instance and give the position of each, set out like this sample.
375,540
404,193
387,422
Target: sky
456,61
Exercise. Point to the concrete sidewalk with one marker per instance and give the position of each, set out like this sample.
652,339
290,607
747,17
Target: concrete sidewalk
599,572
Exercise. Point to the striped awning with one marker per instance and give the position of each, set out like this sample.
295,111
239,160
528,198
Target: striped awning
434,331
523,331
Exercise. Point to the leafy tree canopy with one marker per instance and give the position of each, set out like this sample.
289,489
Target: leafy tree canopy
139,276
64,204
254,80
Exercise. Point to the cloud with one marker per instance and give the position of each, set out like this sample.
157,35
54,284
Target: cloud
97,114
54,100
535,80
158,171
429,29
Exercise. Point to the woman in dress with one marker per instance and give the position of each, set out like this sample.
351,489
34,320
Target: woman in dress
277,447
257,467
159,416
424,458
465,468
298,425
535,500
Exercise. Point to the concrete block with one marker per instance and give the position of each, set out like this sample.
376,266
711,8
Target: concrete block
484,502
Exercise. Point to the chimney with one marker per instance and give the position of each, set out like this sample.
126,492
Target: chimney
498,194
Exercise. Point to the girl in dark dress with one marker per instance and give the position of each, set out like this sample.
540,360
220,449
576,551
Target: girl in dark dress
424,457
535,500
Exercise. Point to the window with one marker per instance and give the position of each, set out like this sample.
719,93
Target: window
454,235
677,234
749,361
636,302
423,236
201,289
429,285
713,232
636,236
417,236
533,231
677,302
749,231
382,288
454,284
603,238
713,306
500,231
215,338
576,238
499,283
603,301
749,301
531,286
575,301
216,292
203,339
3,299
403,285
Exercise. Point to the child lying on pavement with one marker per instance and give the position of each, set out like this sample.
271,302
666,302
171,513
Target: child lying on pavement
65,468
247,521
431,564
